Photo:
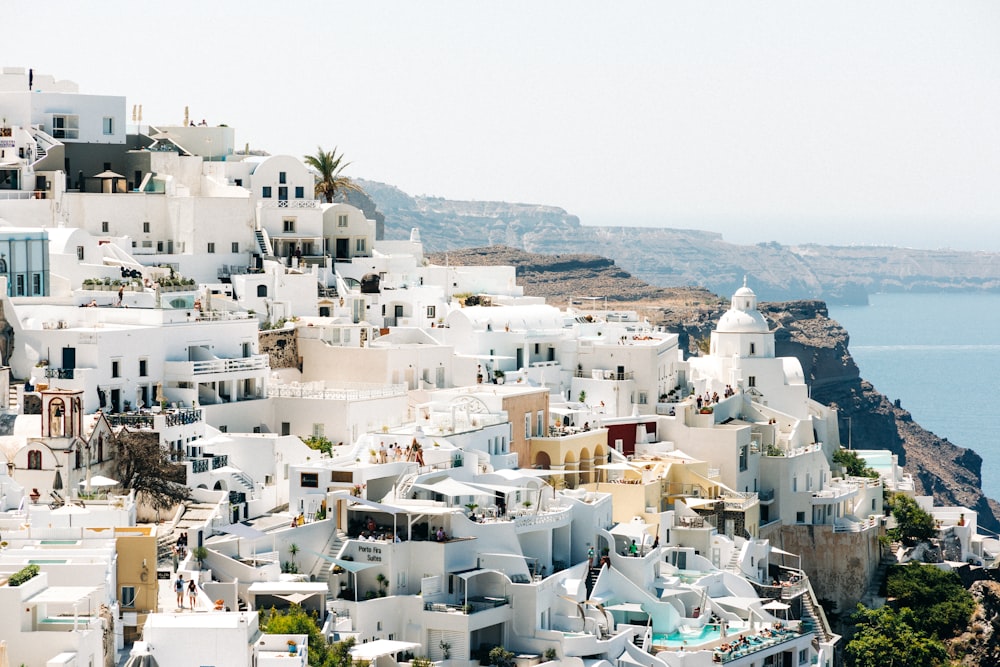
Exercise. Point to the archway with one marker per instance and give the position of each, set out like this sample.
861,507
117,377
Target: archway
571,466
586,467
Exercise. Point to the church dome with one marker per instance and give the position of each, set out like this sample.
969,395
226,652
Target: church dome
743,316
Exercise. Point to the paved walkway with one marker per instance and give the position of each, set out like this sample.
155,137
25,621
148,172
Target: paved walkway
167,599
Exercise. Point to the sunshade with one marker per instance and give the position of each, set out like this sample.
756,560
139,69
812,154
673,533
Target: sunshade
100,480
630,607
450,487
371,650
240,530
108,174
774,604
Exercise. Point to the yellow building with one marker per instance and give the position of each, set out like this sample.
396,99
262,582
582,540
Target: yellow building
575,453
136,572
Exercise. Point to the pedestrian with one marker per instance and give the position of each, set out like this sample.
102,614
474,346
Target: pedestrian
633,549
174,557
590,556
192,593
179,589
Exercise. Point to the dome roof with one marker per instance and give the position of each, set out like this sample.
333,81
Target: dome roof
742,321
743,316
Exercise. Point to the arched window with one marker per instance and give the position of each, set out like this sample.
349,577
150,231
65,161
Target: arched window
34,459
79,458
261,290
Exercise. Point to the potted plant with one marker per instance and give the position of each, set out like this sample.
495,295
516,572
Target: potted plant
200,553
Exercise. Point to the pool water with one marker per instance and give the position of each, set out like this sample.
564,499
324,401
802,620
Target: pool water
707,633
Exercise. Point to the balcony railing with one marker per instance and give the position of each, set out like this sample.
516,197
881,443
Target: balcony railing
59,373
291,203
220,461
132,420
473,606
199,465
182,417
210,366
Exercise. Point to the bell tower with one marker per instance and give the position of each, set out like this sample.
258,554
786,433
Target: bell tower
62,413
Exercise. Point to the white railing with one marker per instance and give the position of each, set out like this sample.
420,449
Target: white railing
254,363
292,203
347,392
22,194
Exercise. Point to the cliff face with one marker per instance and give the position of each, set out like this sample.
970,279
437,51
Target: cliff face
803,329
684,257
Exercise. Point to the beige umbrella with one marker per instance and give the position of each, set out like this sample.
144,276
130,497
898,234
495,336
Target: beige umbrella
4,660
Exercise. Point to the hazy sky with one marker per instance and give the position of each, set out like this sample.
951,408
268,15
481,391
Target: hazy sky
837,122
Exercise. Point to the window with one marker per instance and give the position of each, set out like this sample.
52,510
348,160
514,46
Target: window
800,517
145,228
319,430
145,244
300,192
108,125
104,226
527,426
127,598
20,285
282,177
289,225
359,245
79,252
283,192
752,381
143,368
36,283
753,348
159,246
116,367
261,290
286,428
265,192
803,656
35,459
643,398
341,220
236,246
540,423
431,311
211,248
309,480
744,457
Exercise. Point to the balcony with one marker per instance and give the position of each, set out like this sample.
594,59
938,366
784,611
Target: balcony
473,606
153,421
257,362
59,373
291,203
604,374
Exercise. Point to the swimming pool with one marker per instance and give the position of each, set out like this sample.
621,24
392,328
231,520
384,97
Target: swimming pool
706,634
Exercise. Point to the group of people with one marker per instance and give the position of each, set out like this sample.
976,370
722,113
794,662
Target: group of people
438,534
393,453
192,591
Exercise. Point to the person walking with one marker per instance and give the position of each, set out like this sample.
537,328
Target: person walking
179,589
192,593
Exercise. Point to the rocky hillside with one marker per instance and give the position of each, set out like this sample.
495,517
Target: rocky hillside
803,329
682,257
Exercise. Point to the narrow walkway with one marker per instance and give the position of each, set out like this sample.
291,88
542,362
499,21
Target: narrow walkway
167,599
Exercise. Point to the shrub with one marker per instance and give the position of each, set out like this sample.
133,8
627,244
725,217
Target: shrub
23,575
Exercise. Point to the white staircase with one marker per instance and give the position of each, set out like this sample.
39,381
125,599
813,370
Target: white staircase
336,542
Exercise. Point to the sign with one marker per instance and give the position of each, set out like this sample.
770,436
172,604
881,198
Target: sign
6,143
371,554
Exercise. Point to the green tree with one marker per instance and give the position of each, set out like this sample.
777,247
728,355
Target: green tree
339,655
913,524
853,464
296,621
319,443
884,639
938,602
331,180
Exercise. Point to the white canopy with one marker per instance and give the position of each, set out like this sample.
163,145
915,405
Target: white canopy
451,488
371,650
100,480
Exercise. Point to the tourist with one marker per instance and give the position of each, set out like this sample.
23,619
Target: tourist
192,590
179,590
633,549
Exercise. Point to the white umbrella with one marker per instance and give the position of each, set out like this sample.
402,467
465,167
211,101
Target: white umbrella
4,662
774,604
100,480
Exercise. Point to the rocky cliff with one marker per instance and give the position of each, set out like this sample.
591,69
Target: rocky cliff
803,329
683,257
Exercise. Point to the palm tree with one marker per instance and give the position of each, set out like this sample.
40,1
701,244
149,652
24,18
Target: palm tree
331,180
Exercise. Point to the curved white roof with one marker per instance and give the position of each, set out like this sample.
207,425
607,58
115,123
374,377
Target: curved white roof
742,316
517,318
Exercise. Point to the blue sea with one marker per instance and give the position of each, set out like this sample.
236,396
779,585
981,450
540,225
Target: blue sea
939,355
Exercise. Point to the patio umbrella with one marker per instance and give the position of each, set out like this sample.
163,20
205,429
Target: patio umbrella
100,480
4,661
57,483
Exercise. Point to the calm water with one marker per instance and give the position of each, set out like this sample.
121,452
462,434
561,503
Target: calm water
939,355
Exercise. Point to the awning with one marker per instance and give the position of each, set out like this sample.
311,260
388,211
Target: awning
618,466
351,566
629,607
734,601
376,649
499,488
388,509
240,530
469,574
774,604
451,488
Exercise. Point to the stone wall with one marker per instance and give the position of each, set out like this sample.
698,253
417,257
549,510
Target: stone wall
839,565
281,346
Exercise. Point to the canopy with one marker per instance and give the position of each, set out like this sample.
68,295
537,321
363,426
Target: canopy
450,487
100,480
376,649
381,507
617,466
108,174
296,598
240,530
734,601
501,488
774,604
351,566
631,607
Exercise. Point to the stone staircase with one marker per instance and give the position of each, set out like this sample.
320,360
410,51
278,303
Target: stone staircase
871,598
814,617
195,516
336,542
263,243
592,575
